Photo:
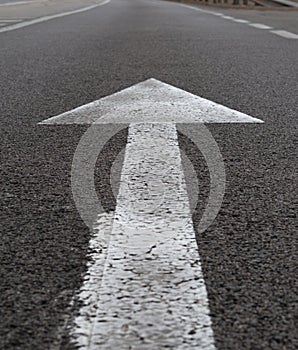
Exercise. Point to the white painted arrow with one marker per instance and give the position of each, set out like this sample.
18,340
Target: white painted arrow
150,293
152,101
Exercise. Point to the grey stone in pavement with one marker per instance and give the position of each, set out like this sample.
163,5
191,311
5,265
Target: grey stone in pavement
249,257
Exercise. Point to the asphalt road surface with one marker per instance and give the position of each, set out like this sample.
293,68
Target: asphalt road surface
249,253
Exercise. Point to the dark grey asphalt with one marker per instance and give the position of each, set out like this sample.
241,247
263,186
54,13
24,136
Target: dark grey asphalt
249,254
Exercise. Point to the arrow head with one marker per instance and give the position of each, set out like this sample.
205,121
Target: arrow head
151,101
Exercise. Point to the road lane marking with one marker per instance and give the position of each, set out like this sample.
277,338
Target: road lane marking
89,292
48,18
227,17
152,290
196,9
240,20
8,22
285,34
259,25
153,101
147,289
150,101
281,33
19,3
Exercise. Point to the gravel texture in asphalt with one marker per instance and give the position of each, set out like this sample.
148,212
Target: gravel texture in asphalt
249,256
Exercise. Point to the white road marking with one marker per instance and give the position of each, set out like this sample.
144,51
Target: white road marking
227,17
152,294
259,26
153,101
89,293
285,34
18,3
48,18
282,33
147,285
195,8
8,22
238,20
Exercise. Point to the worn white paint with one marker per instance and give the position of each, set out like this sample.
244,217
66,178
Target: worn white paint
89,293
152,294
281,33
151,101
227,17
48,18
25,2
4,22
239,20
259,26
146,281
285,34
195,8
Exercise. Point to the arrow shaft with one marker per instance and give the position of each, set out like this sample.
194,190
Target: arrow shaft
152,294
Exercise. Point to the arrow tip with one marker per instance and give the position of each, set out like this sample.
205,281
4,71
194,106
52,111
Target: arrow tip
152,101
